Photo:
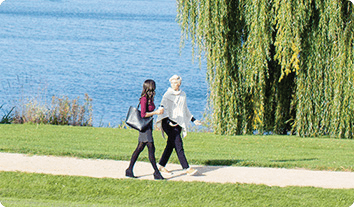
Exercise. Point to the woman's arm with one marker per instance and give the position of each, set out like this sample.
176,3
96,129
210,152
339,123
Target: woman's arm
143,106
144,113
156,112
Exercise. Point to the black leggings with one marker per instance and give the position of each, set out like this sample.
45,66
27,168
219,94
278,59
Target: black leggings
139,149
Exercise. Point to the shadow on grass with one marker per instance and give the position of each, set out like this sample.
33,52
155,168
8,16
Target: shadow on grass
222,162
295,160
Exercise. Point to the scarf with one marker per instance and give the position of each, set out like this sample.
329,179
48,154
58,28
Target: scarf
176,109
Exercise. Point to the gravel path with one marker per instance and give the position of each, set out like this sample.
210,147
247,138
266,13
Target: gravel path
218,174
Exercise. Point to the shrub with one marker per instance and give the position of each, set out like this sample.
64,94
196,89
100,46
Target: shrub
62,111
7,117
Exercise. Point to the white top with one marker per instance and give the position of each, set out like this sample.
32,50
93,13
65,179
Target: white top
176,109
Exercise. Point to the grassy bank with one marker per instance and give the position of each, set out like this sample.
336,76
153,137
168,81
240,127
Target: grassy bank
26,189
200,148
22,189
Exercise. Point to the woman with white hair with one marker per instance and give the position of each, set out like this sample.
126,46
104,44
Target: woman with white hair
174,121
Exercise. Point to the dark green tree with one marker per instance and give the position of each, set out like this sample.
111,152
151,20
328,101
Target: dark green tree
282,65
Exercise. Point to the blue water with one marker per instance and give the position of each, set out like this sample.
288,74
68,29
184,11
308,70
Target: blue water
104,48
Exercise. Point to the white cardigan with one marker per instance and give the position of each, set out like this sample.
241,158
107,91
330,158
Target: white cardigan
176,109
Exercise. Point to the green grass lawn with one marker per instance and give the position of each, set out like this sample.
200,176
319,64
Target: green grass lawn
25,189
22,189
200,148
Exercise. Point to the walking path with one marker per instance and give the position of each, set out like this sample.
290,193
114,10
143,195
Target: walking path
143,170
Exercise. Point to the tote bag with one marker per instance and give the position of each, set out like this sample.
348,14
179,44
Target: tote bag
135,121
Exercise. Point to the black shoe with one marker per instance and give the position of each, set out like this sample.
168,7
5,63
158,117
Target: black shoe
158,176
129,173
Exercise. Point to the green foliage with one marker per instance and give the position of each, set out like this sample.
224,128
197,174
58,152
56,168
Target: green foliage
276,65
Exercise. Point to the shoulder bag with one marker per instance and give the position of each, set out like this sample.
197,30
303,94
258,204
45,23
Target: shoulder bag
135,121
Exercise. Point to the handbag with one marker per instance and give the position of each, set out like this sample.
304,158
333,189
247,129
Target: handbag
135,121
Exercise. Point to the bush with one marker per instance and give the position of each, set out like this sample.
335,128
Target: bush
62,111
7,117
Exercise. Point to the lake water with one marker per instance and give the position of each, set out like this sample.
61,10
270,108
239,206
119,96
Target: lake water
104,48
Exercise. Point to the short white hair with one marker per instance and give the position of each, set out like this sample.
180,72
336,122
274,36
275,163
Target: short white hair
176,77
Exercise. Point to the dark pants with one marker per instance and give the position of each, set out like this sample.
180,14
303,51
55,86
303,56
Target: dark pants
174,141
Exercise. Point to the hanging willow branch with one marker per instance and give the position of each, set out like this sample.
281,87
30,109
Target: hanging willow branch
277,65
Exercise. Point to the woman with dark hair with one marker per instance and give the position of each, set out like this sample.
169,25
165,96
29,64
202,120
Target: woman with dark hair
147,107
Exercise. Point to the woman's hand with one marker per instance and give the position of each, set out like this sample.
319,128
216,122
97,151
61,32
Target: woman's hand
198,123
159,111
156,112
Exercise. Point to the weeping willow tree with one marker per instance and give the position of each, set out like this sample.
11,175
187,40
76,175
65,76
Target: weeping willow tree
280,66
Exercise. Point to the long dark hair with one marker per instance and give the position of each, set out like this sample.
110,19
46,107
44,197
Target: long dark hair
148,90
